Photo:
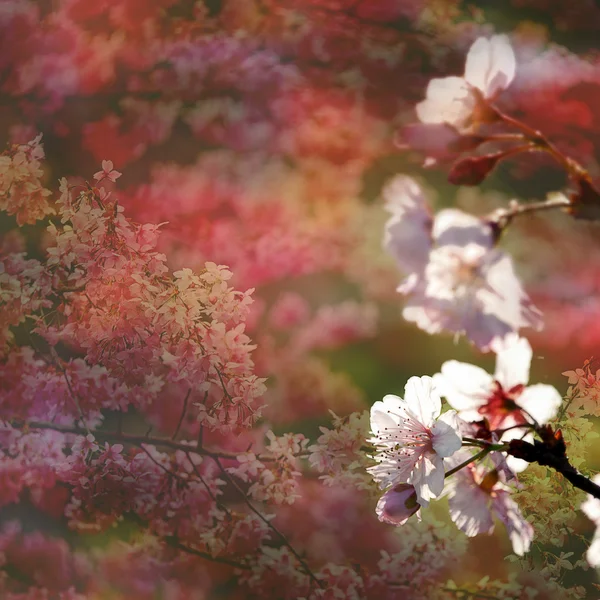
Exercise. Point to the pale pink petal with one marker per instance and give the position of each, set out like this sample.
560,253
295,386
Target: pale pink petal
519,530
513,357
407,231
445,439
428,478
490,65
469,507
465,387
385,414
448,100
541,401
422,400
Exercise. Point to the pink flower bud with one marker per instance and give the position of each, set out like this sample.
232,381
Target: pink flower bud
398,504
474,169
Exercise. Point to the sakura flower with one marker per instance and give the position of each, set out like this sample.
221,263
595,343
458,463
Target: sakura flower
460,101
591,508
476,496
457,280
108,172
504,399
412,440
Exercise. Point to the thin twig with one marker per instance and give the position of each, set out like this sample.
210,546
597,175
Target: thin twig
136,440
183,411
268,523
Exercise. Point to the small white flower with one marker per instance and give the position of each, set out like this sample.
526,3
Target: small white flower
591,508
489,69
412,441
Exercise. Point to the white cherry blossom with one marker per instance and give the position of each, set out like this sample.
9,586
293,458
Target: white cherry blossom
504,399
457,280
591,508
412,439
490,68
476,495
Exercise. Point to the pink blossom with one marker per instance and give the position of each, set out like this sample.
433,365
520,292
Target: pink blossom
489,69
591,508
108,172
476,495
412,439
458,280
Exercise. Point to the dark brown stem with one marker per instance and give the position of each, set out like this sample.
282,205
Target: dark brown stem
551,452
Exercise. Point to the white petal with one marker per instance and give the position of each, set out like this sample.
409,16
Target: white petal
407,231
591,507
593,552
465,387
490,65
519,530
422,400
457,228
384,415
513,357
445,439
469,507
428,478
540,401
448,100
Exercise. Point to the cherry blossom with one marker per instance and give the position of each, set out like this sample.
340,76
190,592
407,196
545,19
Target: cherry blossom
504,399
591,508
108,172
476,495
457,279
460,101
412,439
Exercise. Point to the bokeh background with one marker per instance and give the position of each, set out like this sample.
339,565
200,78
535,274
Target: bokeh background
262,132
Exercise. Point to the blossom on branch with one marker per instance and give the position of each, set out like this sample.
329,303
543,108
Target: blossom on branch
412,440
462,101
457,279
504,399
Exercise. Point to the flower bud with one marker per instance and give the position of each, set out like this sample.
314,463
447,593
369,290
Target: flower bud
397,505
474,169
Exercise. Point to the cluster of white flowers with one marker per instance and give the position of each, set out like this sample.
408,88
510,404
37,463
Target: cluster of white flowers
424,454
457,280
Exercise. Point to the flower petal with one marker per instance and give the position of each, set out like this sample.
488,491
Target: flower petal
445,439
541,401
465,387
513,358
428,478
422,400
